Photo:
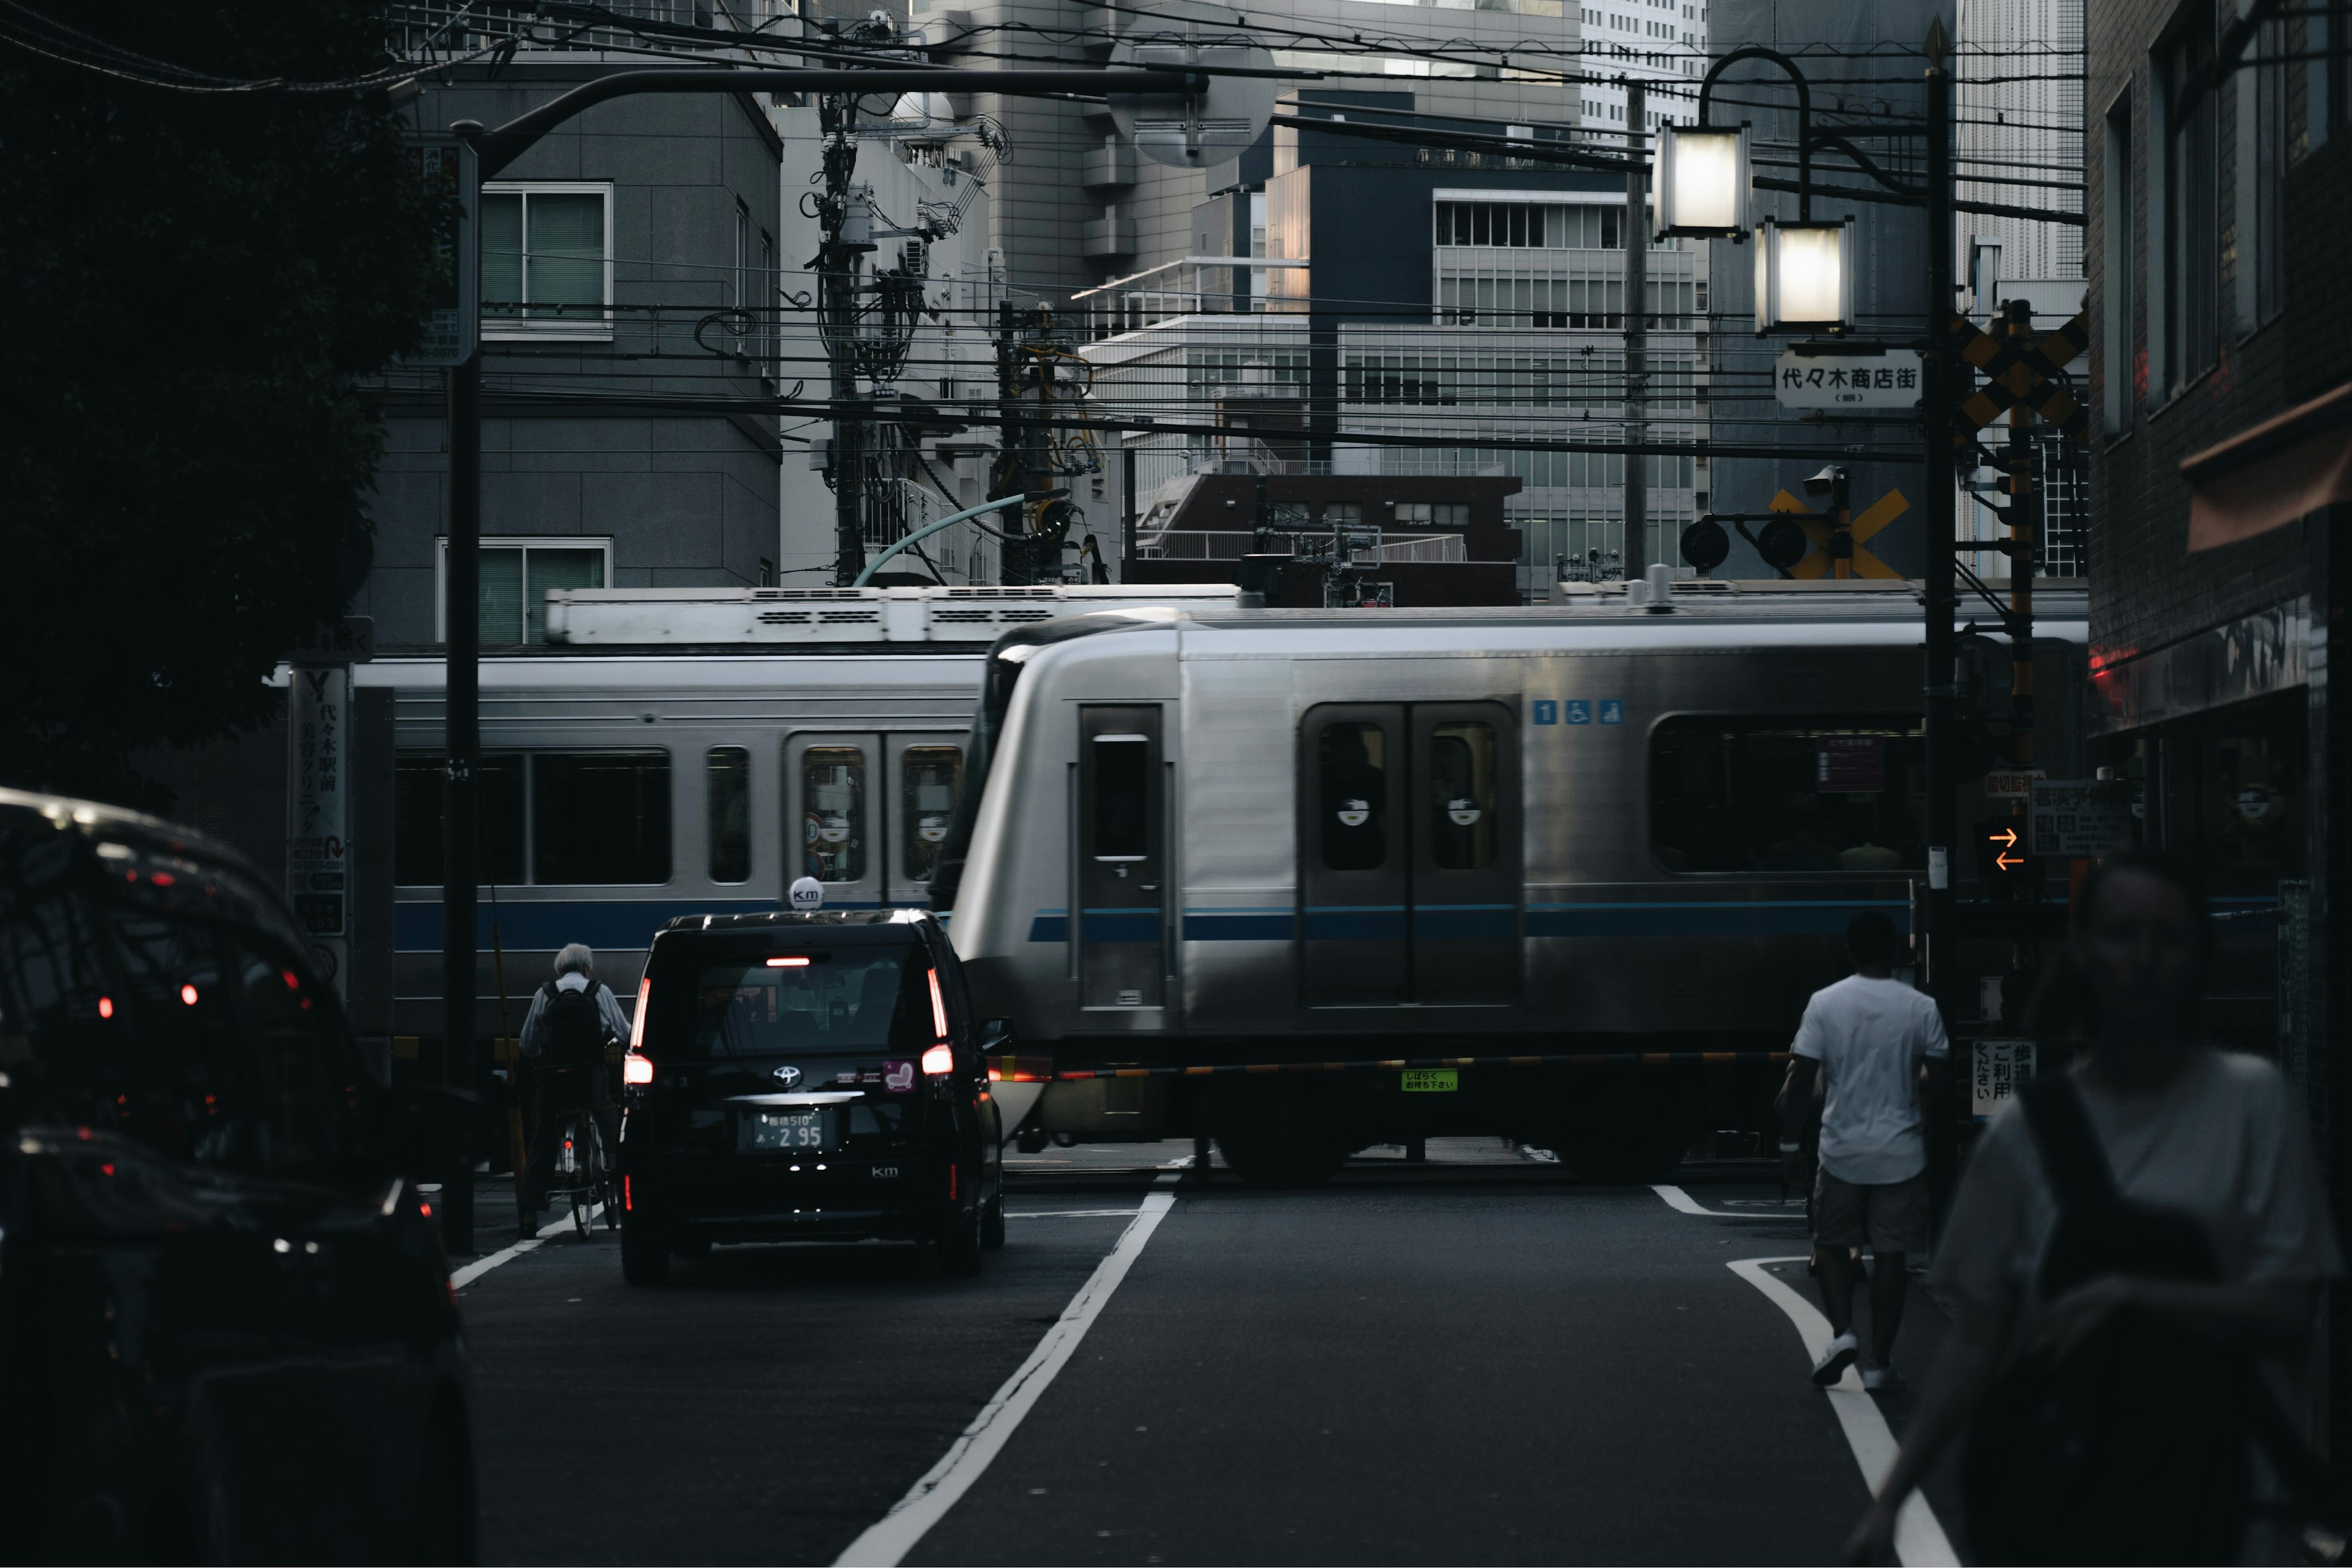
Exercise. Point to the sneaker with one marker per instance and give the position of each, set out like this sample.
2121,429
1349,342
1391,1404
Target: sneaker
1881,1380
1840,1355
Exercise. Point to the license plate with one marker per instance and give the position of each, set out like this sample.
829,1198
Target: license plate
1432,1080
792,1130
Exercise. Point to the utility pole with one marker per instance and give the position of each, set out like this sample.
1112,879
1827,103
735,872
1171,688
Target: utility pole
461,717
847,238
1637,346
1936,483
2024,544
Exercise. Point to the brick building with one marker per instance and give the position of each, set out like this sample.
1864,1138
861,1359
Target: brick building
2222,344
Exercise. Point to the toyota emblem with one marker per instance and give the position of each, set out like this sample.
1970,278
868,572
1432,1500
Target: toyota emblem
789,1077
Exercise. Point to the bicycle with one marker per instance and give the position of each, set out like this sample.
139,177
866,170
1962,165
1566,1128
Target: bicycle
582,1174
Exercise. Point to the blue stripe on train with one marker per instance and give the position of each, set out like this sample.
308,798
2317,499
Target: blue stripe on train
1794,917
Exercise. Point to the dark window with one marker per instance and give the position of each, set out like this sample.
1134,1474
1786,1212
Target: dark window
833,814
67,1061
1462,797
1784,793
600,817
861,998
418,852
2192,241
726,772
303,1075
187,1093
2119,325
1353,762
927,796
1122,781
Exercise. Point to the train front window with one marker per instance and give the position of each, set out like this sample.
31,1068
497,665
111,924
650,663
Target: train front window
1354,831
1462,797
833,814
1788,794
926,794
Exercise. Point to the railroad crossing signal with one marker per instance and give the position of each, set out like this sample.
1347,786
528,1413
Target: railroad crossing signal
2030,375
2002,852
1867,523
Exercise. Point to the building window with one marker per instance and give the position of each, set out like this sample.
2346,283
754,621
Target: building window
1432,514
510,606
2117,330
2191,229
547,260
2263,156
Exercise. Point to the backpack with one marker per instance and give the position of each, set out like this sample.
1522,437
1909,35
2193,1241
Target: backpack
575,1028
2134,1444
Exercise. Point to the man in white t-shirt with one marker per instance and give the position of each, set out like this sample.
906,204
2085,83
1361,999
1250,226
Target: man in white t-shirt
1867,1035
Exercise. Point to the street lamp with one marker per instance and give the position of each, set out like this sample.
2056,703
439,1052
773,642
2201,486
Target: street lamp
1804,276
1705,184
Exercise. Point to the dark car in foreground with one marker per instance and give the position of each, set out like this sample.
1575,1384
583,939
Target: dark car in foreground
807,1078
227,1330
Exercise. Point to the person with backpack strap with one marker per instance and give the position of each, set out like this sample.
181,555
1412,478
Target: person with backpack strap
2135,1254
572,1021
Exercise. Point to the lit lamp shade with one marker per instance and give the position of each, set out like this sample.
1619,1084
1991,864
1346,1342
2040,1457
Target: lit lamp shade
1804,276
1702,183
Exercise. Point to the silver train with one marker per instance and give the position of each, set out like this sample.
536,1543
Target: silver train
1312,880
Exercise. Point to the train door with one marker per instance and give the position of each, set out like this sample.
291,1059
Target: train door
1120,918
1409,854
1465,855
832,829
924,771
1354,858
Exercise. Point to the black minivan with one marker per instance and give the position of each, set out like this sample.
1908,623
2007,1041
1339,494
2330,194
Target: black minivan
807,1078
227,1330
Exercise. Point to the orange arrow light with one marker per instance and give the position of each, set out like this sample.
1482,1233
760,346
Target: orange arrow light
2005,862
2006,838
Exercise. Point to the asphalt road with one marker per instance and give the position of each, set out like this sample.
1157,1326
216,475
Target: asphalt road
1471,1359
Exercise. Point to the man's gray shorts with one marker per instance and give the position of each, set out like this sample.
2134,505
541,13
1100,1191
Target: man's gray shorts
1889,1217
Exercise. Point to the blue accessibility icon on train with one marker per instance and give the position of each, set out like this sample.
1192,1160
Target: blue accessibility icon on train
1579,712
1612,712
1546,710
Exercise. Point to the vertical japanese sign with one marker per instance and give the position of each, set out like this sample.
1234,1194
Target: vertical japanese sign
445,167
1997,1068
317,841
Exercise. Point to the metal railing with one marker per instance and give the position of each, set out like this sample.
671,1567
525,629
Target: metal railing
1357,549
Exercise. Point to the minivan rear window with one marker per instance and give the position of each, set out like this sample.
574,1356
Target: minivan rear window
849,999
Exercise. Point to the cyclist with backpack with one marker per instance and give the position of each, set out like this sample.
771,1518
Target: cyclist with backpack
2137,1254
572,1021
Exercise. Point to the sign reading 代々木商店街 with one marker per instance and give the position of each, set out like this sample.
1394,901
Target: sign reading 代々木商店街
1887,380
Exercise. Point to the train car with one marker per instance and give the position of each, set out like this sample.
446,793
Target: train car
684,752
1311,882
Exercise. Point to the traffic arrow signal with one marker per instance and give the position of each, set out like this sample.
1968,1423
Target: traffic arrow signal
2006,838
2003,857
2009,862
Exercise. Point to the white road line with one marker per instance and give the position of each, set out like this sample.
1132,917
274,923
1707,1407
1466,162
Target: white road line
461,1277
1682,1201
1919,1539
886,1543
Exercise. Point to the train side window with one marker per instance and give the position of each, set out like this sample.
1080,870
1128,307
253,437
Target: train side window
1462,797
417,850
1789,792
1353,759
926,794
600,816
832,812
727,777
1122,781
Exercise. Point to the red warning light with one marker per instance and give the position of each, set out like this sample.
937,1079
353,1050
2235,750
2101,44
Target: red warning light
188,994
105,1006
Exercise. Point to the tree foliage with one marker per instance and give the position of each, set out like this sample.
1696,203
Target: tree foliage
198,280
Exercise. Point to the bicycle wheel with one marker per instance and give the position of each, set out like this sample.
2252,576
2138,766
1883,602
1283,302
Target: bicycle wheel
583,1195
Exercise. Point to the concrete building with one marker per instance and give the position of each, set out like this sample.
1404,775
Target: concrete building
1435,298
2220,337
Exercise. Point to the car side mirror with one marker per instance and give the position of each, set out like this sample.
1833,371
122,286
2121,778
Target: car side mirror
429,1131
995,1035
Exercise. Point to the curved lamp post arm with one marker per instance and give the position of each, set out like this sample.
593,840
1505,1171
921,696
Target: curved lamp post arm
929,528
1804,114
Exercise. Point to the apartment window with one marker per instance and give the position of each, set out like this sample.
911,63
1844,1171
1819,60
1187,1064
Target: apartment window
1530,224
1432,514
510,605
2263,156
547,260
2117,332
2191,229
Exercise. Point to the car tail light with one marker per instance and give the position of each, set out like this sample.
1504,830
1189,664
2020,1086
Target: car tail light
792,963
637,1024
951,1183
636,1069
938,1007
938,1061
628,1197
